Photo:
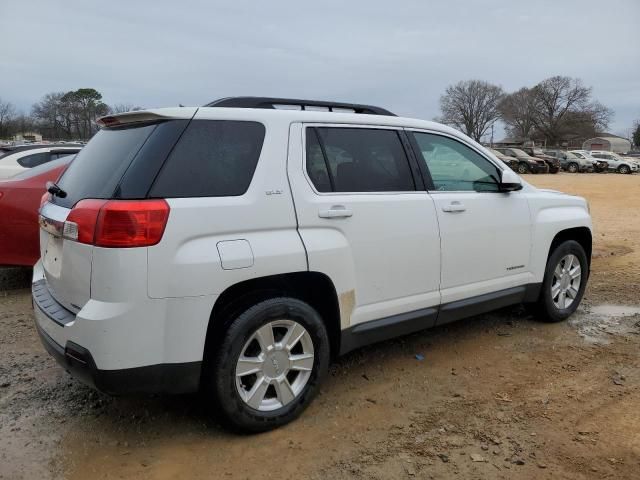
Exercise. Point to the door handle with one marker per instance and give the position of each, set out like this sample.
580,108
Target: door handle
454,207
336,211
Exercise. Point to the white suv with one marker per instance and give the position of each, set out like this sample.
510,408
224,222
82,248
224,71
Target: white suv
238,247
616,162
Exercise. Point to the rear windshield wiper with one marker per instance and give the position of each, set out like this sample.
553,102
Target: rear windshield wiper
54,189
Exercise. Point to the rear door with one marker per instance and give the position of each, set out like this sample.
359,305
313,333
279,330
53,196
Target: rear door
485,234
365,219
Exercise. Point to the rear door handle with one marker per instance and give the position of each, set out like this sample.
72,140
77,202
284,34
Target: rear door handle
336,211
454,207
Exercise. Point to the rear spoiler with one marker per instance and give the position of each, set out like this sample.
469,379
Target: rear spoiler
145,116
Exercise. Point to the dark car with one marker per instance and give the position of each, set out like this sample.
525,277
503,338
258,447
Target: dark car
537,152
19,202
526,163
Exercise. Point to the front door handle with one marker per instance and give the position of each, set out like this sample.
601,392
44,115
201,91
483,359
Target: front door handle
336,211
454,207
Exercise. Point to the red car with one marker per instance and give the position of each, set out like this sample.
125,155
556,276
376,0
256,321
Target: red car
19,202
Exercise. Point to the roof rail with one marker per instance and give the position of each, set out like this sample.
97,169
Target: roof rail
284,103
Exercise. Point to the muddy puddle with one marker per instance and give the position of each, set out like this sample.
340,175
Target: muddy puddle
598,324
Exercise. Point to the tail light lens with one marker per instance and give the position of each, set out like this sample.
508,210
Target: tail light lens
117,223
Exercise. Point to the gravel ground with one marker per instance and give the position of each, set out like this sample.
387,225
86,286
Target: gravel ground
496,396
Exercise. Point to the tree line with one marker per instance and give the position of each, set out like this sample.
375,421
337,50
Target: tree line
59,115
556,110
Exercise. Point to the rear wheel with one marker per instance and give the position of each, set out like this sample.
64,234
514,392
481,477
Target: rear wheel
268,367
572,168
564,282
523,168
624,169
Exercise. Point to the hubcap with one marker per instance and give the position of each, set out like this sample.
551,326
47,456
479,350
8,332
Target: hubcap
566,281
274,365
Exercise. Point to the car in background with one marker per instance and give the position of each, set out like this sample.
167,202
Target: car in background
616,162
537,152
15,160
599,165
526,163
510,161
571,162
19,202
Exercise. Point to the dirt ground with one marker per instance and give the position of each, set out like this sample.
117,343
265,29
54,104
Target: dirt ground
496,396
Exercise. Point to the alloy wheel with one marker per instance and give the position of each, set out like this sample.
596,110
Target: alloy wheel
274,365
567,278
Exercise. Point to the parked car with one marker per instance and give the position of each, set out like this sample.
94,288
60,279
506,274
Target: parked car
571,162
616,162
537,152
15,160
238,247
512,162
19,202
526,163
599,165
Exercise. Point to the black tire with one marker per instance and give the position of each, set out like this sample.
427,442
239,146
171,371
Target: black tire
624,169
523,168
545,308
219,380
573,167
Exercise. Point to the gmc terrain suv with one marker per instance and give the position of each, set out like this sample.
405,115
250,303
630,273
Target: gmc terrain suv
237,248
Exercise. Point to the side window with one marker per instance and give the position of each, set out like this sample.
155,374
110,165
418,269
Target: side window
316,164
34,160
359,160
55,156
456,167
213,158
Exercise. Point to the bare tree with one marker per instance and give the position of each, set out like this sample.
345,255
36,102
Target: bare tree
471,106
517,112
7,113
563,104
123,107
636,134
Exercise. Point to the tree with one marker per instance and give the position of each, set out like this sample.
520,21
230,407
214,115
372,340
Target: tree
123,107
7,113
563,105
517,112
636,134
471,106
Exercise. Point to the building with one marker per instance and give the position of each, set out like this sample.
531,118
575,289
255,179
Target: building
607,141
27,137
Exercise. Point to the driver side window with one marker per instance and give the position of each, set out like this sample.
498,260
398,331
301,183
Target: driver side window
455,167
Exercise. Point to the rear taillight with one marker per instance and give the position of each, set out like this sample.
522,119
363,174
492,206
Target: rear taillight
117,223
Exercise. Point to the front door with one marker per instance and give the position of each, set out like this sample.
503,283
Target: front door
485,234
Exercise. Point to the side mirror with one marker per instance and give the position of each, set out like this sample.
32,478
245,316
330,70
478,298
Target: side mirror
510,181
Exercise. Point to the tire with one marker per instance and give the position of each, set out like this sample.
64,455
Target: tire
573,168
523,168
281,398
624,169
549,306
554,170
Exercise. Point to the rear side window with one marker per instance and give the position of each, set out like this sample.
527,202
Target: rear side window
99,167
357,160
34,160
213,158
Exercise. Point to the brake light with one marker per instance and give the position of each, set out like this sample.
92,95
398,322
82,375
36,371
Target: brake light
117,223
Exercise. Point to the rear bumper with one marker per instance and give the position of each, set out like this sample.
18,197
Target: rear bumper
79,362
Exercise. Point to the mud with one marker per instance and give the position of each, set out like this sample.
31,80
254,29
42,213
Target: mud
496,396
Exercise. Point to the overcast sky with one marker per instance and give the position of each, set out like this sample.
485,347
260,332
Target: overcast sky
400,55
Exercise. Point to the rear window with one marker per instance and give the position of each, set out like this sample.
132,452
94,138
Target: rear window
40,169
99,167
213,158
34,160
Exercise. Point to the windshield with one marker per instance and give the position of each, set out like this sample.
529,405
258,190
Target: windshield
519,153
538,151
571,155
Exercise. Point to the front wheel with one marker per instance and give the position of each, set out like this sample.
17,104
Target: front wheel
572,168
624,169
523,168
269,365
565,280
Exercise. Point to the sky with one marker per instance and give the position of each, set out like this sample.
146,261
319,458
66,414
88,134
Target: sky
399,55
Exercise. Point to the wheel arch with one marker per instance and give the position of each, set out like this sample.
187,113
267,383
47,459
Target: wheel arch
314,288
582,235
